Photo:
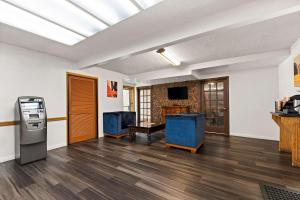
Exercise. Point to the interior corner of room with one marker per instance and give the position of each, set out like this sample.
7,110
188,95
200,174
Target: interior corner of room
125,85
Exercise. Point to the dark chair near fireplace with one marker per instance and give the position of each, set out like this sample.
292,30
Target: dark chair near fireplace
115,124
185,131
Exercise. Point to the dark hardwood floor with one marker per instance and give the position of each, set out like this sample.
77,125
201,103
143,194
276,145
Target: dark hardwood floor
225,168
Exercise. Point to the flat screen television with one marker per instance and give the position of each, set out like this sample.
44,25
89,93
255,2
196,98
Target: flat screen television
178,93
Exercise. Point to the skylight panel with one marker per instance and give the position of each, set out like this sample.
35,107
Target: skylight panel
147,3
16,17
68,21
110,11
63,13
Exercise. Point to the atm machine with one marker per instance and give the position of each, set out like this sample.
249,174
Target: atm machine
31,129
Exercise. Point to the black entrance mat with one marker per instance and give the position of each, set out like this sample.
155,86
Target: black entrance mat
271,192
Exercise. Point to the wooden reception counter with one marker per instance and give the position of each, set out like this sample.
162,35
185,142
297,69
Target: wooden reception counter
289,135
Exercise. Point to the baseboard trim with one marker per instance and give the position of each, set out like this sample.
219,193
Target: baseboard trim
7,158
56,146
12,157
253,137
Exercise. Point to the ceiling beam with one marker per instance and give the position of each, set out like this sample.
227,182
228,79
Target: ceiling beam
44,18
137,5
89,13
187,70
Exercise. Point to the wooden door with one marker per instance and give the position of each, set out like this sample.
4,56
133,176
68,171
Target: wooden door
82,108
215,104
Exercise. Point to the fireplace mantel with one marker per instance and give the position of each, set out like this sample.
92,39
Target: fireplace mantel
176,109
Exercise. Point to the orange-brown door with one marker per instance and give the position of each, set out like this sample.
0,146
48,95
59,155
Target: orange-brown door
82,107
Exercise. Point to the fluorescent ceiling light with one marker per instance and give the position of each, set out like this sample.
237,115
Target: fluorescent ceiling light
63,13
110,11
147,3
169,57
16,17
68,21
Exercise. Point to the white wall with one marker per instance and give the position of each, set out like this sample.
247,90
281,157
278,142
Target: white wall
26,72
286,73
252,96
252,93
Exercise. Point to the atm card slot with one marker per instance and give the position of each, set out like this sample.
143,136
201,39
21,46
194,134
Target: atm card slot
34,116
35,124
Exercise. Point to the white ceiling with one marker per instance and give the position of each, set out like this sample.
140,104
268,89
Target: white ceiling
196,31
275,34
135,31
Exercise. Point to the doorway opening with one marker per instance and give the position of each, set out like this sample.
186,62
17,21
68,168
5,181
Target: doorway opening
128,98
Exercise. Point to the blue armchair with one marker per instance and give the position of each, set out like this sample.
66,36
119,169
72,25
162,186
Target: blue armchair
185,131
116,123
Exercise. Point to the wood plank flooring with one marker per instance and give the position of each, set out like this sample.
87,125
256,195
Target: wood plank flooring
224,168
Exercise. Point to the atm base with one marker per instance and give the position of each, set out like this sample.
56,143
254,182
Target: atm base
32,152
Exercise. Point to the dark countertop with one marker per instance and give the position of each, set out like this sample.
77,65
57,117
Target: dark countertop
281,114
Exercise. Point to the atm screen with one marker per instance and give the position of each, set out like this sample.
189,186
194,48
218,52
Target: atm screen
33,105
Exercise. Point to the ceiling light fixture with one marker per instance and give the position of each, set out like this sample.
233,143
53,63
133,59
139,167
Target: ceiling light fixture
168,57
21,19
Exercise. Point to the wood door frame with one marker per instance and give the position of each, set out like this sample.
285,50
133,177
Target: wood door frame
226,94
68,100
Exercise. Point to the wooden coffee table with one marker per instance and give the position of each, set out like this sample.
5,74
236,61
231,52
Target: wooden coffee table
144,127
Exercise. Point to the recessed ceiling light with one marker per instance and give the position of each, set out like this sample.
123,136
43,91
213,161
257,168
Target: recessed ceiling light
19,18
110,11
169,57
147,3
63,13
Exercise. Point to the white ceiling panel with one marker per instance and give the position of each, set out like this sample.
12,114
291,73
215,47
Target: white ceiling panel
276,34
137,64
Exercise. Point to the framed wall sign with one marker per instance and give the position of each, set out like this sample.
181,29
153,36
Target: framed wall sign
112,89
297,71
